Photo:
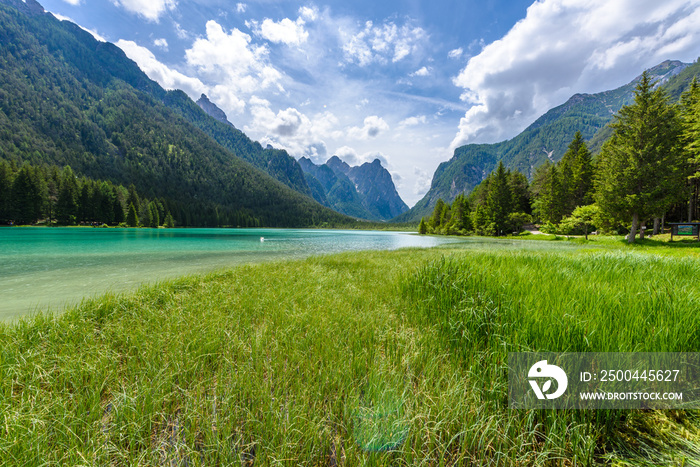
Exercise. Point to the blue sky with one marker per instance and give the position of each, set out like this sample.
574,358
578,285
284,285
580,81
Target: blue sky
402,81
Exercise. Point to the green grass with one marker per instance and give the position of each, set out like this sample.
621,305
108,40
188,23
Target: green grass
373,358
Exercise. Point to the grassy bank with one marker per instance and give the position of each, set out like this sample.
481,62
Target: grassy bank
373,358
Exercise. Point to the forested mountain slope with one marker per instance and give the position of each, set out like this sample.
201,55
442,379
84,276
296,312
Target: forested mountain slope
68,99
547,138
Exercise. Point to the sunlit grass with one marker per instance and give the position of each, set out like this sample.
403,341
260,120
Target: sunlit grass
373,358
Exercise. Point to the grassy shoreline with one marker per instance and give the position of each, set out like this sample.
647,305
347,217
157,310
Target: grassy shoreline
370,358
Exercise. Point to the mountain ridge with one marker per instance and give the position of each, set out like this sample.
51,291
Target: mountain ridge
68,99
546,138
366,191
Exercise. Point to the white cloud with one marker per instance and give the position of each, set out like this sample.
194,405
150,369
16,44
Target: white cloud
455,54
165,76
292,130
283,32
238,67
308,13
414,121
241,7
347,154
568,46
352,158
422,72
94,33
162,43
383,43
181,33
422,181
73,2
151,10
373,126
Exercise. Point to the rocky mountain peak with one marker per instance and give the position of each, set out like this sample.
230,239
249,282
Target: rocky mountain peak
212,110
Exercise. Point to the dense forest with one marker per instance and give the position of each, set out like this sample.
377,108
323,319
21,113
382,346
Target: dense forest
51,196
647,172
69,100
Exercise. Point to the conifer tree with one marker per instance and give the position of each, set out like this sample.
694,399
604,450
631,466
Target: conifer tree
500,201
132,219
422,227
170,222
550,203
26,196
434,222
690,119
639,169
67,202
5,192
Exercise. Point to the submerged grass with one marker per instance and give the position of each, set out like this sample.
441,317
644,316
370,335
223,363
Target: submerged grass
373,358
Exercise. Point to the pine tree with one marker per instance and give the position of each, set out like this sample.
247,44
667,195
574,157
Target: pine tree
26,197
170,222
422,227
520,192
639,169
67,202
434,221
132,219
582,177
500,201
690,120
5,192
153,214
460,219
549,206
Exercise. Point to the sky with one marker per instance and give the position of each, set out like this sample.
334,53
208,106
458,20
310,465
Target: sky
404,81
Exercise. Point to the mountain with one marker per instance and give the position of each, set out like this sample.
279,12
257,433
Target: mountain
68,99
212,110
547,138
366,191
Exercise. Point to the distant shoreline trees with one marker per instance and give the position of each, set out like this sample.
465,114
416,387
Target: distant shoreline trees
648,169
48,195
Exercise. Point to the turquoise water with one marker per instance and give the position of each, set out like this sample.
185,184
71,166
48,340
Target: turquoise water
44,268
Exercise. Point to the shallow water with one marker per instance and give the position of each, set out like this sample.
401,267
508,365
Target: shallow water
44,268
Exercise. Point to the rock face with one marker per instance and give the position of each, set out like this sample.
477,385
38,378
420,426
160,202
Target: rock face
367,191
212,110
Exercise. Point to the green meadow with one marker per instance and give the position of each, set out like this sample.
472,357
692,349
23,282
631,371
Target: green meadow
372,358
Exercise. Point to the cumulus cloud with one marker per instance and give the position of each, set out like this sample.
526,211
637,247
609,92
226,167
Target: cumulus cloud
239,67
352,158
567,46
162,43
382,43
373,126
308,13
282,32
151,10
422,181
414,121
455,53
422,72
293,130
73,2
165,76
347,154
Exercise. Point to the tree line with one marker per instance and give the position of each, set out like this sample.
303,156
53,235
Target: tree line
48,195
648,171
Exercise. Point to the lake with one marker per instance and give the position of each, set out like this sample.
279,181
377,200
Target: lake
44,268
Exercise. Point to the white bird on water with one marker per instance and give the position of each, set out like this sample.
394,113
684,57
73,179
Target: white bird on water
262,239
